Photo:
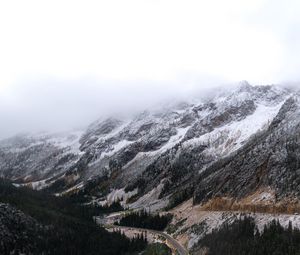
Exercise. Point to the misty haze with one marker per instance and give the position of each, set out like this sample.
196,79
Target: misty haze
150,127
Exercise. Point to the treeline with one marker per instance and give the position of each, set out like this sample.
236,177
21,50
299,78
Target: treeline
157,249
66,227
179,197
243,238
232,204
143,219
138,243
105,209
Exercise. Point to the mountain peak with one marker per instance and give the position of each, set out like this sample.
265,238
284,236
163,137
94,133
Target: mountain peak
244,86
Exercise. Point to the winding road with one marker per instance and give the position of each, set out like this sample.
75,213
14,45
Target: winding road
172,243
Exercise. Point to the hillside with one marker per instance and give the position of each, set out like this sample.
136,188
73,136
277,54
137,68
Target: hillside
228,152
33,222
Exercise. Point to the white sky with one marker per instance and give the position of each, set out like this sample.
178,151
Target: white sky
169,44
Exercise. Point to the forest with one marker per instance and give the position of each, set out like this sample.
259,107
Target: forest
66,228
243,238
143,219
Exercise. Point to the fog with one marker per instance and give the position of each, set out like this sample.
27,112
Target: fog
62,105
67,63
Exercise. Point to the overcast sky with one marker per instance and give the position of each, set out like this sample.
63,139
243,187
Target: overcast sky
65,63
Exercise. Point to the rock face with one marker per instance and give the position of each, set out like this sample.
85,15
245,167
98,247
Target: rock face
38,156
269,159
227,145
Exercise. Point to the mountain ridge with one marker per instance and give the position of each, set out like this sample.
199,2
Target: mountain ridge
166,151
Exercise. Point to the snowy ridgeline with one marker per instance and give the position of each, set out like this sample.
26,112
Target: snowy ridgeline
219,125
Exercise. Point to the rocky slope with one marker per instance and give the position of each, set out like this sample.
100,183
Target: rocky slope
229,145
190,223
34,157
269,159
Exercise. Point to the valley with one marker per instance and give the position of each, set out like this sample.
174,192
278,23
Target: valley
208,162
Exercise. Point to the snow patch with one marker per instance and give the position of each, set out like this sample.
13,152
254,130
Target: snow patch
228,138
151,201
113,133
70,141
117,147
77,187
175,139
120,195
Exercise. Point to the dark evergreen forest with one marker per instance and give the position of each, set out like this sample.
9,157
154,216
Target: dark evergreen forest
144,219
66,228
242,238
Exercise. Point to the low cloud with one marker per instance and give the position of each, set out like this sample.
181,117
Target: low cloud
56,105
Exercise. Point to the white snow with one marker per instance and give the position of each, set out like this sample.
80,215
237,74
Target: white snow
70,141
175,139
113,133
22,149
151,154
38,185
151,201
264,196
78,186
116,147
115,195
111,151
63,140
119,194
230,137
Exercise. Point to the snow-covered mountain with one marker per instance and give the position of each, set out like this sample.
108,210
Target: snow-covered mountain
31,157
203,148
